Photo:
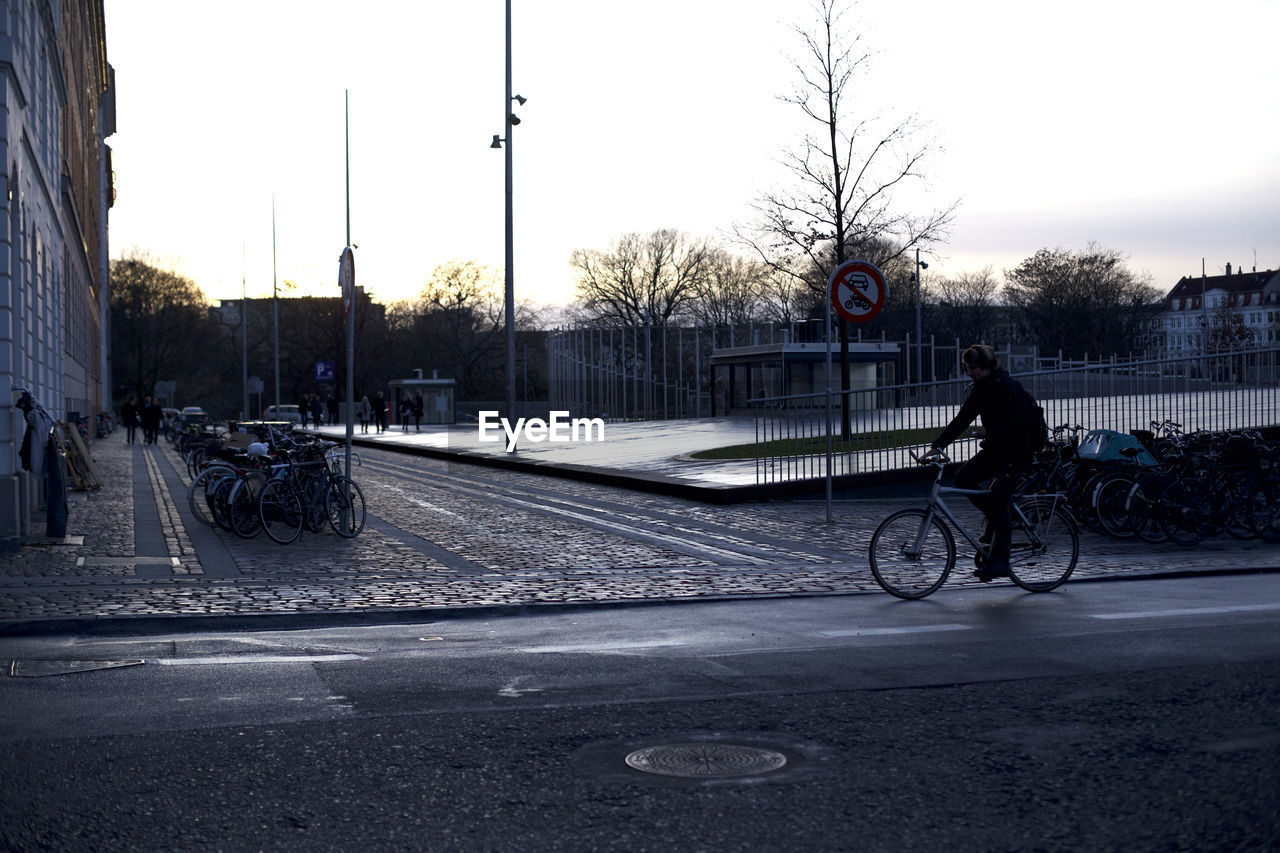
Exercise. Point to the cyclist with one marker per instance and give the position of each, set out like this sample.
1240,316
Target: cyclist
1012,432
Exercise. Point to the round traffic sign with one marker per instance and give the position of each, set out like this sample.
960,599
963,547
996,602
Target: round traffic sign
858,290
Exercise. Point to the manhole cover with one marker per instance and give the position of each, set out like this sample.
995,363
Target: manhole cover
705,760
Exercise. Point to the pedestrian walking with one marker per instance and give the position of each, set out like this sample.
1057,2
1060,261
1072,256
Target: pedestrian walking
334,410
406,412
419,408
363,410
380,411
315,410
151,415
129,415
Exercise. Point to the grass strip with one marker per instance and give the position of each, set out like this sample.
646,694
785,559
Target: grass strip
815,444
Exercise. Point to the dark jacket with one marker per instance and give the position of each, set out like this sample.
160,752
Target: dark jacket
1007,412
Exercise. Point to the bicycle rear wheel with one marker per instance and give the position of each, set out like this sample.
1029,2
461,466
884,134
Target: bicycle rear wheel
280,511
1110,500
200,494
344,504
242,504
1186,508
218,502
1264,509
899,566
1144,507
1045,550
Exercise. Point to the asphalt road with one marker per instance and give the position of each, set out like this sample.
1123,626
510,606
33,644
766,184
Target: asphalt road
1129,715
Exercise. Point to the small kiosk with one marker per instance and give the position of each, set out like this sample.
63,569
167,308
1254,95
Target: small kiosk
437,397
777,370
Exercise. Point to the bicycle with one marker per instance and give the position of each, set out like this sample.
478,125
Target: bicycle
309,492
913,551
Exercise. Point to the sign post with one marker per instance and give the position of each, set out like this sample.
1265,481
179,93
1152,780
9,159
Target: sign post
347,281
858,290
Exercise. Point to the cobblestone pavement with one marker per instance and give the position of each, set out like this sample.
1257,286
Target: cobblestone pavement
445,535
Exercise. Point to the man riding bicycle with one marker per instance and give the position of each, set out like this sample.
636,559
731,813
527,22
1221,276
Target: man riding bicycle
1012,431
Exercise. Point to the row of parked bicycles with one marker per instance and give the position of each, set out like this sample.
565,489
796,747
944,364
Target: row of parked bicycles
279,485
1164,485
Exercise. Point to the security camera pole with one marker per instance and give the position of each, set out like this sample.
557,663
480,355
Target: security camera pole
919,339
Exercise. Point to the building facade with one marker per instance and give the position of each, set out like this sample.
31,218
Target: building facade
56,110
1240,307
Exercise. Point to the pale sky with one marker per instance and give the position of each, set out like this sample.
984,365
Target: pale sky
1152,128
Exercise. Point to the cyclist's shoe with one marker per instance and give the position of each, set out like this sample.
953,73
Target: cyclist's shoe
997,568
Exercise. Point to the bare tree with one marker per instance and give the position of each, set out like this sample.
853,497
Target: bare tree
786,299
1080,302
847,169
1228,330
642,278
730,291
160,323
966,306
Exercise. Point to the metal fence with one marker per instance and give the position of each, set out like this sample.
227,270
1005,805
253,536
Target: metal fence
1230,390
660,371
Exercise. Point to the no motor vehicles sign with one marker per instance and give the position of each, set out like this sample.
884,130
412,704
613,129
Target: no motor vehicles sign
858,290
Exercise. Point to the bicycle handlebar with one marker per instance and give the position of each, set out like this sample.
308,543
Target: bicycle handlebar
935,456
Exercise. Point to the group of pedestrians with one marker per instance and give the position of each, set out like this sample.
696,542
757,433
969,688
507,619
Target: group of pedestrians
372,412
412,408
375,413
149,416
378,414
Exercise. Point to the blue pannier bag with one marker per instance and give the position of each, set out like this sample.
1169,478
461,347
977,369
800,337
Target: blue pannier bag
1107,445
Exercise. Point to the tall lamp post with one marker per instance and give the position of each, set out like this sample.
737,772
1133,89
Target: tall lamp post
510,120
920,265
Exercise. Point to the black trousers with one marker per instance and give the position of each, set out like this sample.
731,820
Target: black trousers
1002,470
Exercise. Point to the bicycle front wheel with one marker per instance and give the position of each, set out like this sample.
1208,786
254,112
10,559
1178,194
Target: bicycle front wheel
909,558
1044,549
344,504
280,511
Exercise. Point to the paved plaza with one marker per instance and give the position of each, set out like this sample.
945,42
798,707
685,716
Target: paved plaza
447,537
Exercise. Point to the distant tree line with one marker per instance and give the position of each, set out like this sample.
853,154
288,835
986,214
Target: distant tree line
164,329
1069,302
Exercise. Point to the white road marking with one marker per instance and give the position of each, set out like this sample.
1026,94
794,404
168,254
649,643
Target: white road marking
602,647
225,659
913,629
1191,611
513,690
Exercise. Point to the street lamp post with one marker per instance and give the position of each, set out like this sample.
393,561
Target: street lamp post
510,120
920,265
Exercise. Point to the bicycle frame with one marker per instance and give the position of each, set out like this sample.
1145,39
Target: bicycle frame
938,506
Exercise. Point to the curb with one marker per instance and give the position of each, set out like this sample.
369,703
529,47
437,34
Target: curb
119,626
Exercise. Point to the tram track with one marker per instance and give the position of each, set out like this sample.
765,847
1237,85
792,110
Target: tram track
665,528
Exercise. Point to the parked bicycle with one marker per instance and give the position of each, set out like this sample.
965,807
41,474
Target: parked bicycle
306,491
913,550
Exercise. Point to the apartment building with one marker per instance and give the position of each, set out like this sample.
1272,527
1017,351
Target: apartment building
1200,303
56,110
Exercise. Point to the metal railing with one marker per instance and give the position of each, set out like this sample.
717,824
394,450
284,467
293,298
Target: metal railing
1230,390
